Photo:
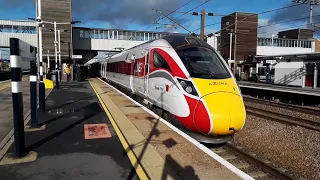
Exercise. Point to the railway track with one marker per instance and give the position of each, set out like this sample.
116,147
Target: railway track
251,164
270,115
284,105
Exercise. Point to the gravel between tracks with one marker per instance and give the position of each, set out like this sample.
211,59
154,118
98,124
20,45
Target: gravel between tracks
284,111
291,147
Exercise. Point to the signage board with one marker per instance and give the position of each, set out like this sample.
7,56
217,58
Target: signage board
271,61
76,56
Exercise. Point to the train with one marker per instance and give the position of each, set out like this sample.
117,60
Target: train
185,77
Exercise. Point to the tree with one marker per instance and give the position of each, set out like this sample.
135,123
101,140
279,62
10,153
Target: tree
5,65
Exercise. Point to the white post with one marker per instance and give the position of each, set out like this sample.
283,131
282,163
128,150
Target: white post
42,100
235,45
310,14
48,59
315,76
303,75
59,51
55,45
230,51
40,42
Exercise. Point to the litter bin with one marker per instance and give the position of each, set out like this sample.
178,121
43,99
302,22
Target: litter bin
78,76
48,75
53,76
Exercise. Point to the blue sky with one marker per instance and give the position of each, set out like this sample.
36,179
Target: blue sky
137,14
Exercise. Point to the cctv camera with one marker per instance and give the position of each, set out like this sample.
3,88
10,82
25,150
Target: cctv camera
38,19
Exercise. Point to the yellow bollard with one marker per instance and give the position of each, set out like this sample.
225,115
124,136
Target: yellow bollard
48,84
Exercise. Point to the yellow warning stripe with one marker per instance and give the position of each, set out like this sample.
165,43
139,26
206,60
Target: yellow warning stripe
8,83
5,85
133,159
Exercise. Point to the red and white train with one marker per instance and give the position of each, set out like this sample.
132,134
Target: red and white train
186,77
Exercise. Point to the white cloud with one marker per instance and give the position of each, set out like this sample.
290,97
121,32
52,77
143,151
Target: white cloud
266,29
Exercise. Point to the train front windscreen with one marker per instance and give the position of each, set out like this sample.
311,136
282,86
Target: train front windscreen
203,63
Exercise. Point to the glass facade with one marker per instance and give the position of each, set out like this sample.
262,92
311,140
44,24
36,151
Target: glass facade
18,29
277,42
119,35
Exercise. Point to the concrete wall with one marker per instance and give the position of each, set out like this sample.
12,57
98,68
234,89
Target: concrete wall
28,38
17,29
100,44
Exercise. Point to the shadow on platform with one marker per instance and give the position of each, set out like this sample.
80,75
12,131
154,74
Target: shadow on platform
187,171
88,112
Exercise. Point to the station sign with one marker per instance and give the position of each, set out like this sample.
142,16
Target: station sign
76,56
271,61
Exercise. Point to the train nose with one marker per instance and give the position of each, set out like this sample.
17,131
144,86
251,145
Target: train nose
227,112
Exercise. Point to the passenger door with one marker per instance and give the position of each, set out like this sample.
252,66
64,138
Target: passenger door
146,74
138,78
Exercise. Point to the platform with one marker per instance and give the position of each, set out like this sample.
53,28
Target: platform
6,111
135,144
67,146
278,88
163,151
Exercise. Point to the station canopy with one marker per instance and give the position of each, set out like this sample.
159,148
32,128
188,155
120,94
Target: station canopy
102,56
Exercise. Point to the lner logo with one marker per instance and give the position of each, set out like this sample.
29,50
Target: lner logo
217,83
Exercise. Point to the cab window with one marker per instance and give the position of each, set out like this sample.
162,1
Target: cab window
160,62
202,62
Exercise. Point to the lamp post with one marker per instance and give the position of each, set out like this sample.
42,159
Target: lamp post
58,63
230,50
55,39
311,3
41,84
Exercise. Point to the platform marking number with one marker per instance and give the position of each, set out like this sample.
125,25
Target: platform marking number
95,131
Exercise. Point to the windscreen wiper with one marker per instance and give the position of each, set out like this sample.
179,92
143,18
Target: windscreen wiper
198,67
203,69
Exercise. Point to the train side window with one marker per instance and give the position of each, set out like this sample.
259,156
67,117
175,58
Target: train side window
160,62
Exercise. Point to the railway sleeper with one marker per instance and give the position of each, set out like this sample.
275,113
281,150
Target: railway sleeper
258,174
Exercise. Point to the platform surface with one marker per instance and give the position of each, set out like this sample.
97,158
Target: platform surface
70,147
6,111
273,87
162,151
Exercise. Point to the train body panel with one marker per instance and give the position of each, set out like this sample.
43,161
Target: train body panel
190,81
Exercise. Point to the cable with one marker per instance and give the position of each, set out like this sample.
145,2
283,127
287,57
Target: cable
259,14
188,11
175,22
287,21
208,25
162,18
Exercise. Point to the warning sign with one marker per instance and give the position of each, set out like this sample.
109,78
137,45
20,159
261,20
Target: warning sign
96,131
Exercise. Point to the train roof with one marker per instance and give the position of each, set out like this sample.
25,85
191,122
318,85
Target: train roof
177,41
174,40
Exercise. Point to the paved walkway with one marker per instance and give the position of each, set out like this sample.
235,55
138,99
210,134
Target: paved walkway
65,149
6,111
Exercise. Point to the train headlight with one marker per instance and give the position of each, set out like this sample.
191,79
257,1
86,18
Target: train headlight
188,87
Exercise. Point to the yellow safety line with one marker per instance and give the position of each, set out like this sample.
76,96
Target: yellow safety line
133,159
8,84
3,87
